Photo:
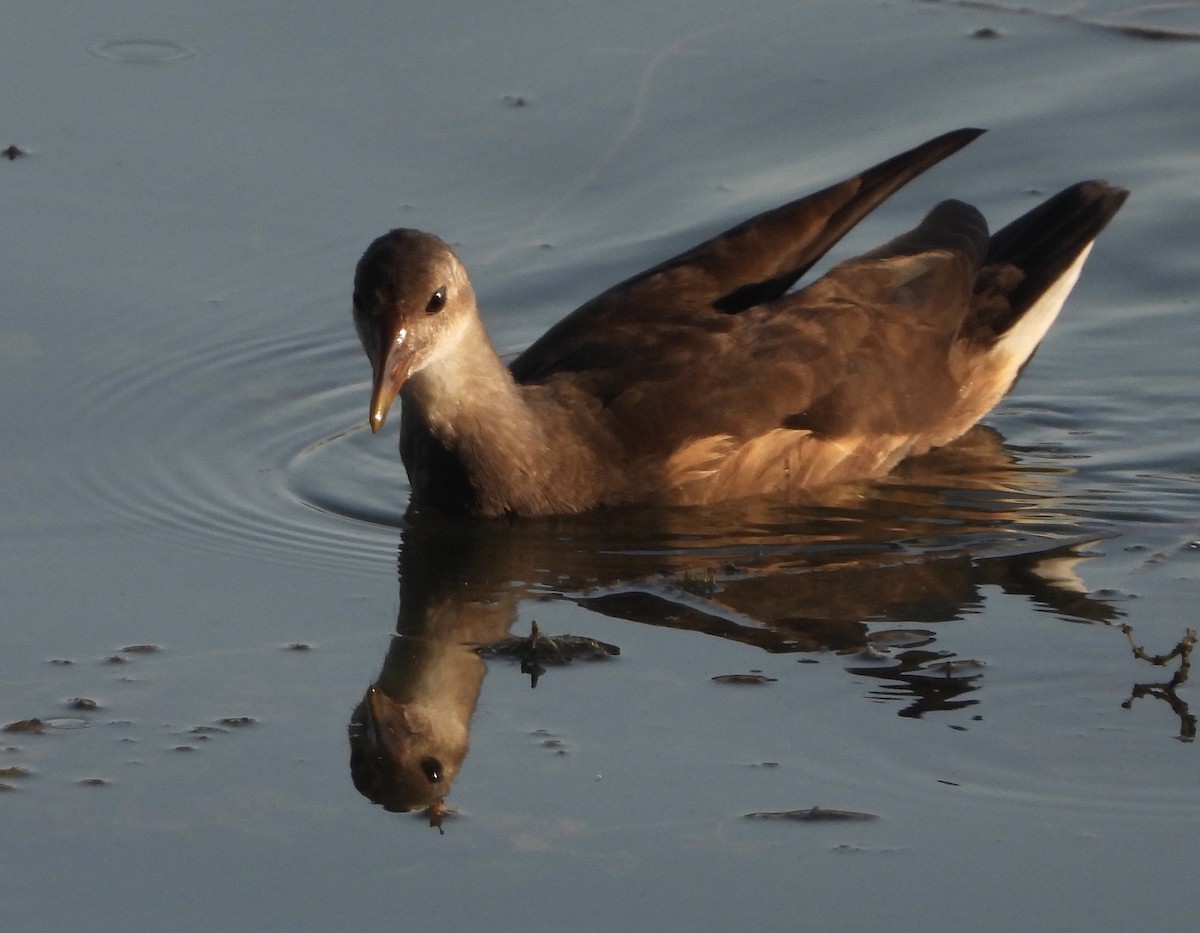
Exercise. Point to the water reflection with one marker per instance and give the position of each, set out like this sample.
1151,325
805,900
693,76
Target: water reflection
1166,690
864,570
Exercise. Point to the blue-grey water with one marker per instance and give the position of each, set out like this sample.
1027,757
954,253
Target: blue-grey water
186,466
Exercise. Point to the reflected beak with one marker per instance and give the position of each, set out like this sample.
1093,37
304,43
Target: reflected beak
389,378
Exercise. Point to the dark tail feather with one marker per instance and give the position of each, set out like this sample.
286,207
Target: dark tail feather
1044,243
951,225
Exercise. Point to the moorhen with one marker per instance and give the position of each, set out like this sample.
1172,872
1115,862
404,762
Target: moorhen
704,378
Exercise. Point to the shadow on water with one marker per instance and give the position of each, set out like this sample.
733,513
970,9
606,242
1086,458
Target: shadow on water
866,570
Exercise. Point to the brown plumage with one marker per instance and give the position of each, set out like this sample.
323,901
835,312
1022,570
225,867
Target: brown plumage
703,378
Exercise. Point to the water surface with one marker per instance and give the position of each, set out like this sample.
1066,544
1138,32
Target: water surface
188,468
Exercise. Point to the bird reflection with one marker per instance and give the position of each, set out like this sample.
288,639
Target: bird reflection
863,570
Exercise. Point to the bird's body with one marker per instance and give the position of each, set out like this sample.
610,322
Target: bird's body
704,378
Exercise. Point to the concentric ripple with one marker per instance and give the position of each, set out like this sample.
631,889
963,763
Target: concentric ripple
142,51
257,444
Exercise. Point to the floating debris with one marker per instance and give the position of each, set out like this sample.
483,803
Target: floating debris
901,638
1166,691
538,650
82,703
207,730
436,813
702,584
1183,651
299,646
141,649
956,667
35,726
236,721
814,815
12,153
872,653
753,678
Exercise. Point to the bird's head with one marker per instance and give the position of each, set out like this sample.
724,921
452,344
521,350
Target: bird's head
412,299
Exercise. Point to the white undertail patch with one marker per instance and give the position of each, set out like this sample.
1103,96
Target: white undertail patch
1016,346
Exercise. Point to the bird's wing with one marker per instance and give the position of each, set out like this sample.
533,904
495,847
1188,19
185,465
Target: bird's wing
863,351
748,265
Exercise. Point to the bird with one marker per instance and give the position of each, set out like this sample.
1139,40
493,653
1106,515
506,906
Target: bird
709,377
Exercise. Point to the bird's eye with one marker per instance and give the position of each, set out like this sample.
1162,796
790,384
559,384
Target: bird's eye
357,299
433,770
437,301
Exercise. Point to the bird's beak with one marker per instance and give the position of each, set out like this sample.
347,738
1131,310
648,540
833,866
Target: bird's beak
389,377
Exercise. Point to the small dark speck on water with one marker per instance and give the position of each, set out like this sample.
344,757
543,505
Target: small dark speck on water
61,662
986,32
141,649
236,721
82,703
299,646
754,677
116,659
12,153
94,782
813,815
26,725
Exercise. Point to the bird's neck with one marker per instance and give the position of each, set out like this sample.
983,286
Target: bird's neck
467,421
465,388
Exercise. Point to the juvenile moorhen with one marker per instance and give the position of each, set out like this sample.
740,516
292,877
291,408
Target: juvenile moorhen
704,378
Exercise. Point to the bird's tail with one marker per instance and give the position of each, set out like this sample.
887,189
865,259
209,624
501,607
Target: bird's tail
1036,261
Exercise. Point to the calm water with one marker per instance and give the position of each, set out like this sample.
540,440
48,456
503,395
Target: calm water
188,468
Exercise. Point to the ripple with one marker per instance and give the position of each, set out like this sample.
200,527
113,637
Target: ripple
258,444
142,51
254,445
